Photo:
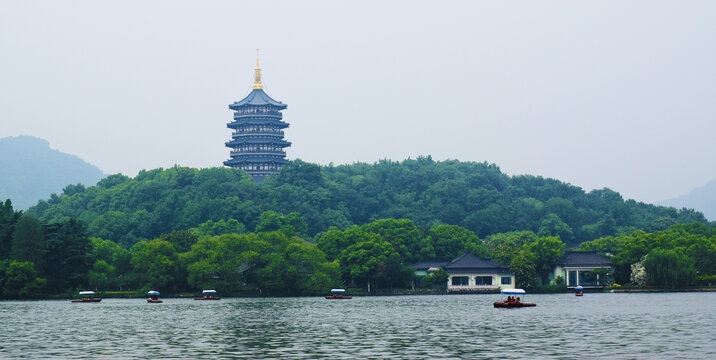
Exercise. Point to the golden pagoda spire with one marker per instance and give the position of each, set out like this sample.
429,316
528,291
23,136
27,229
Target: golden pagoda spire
257,73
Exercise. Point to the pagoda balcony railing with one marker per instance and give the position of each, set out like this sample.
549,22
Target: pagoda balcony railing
250,133
253,153
258,114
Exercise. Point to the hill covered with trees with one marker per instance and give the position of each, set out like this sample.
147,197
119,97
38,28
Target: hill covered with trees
475,196
30,170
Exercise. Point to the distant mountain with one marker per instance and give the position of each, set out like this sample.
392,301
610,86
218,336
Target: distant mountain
30,170
701,199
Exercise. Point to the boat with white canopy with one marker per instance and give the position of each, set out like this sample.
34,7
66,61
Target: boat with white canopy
208,295
338,294
87,297
513,299
578,291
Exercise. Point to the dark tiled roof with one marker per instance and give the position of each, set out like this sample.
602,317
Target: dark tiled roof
251,140
240,160
424,265
257,97
583,258
469,261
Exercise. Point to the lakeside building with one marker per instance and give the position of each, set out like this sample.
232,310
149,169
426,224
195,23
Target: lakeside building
257,144
581,268
468,273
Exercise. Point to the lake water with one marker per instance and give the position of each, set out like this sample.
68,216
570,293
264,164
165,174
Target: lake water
674,325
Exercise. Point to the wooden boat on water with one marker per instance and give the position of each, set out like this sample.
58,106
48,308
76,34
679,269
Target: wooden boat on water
154,297
513,300
578,291
87,297
208,295
338,294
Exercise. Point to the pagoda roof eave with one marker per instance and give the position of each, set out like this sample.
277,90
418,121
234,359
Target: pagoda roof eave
257,141
257,97
235,124
254,160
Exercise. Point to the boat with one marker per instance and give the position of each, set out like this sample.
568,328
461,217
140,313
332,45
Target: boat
208,295
87,297
154,297
511,293
578,291
338,294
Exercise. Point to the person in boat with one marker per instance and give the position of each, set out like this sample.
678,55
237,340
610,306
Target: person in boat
518,301
509,299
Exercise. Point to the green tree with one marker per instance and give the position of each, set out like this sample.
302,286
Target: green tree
27,242
21,281
67,258
366,262
669,268
210,228
552,225
223,262
451,241
435,280
8,218
101,275
523,267
273,221
404,236
181,239
115,256
545,252
504,247
299,268
155,264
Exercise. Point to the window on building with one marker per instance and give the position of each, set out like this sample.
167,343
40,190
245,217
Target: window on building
460,281
587,278
483,280
506,280
572,278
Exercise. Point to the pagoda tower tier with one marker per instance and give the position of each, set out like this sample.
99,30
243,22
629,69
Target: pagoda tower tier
257,144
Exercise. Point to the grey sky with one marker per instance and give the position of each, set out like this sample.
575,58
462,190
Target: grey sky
599,94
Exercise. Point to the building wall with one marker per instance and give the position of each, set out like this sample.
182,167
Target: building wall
472,285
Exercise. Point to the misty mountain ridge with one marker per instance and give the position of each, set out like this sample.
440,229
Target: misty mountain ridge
702,199
30,170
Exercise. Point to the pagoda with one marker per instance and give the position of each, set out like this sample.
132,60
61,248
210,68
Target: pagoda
257,144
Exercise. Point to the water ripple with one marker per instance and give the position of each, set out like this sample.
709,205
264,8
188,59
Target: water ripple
638,326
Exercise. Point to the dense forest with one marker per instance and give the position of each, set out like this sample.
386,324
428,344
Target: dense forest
39,259
311,228
475,196
681,255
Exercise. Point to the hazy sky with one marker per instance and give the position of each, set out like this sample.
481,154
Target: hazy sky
616,94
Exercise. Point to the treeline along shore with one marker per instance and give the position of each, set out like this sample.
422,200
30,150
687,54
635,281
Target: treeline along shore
311,228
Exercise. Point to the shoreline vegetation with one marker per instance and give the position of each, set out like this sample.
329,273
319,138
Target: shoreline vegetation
360,227
363,293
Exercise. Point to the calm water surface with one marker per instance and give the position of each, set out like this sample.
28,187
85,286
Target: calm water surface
677,325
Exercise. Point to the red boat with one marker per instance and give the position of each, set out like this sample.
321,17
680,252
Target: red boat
208,295
87,297
512,301
513,305
338,294
154,297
